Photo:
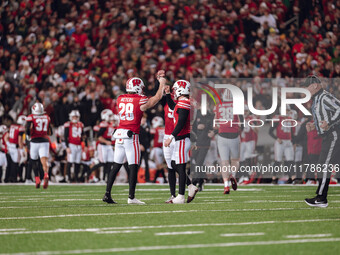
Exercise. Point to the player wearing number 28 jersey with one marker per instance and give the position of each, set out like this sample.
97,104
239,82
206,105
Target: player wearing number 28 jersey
38,129
131,107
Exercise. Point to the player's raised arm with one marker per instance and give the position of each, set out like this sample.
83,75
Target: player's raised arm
156,98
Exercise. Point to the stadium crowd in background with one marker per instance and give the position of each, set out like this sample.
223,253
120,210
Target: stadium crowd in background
77,55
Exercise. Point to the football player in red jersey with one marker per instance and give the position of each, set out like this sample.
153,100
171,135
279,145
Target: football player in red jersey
131,107
15,147
283,142
181,135
169,150
248,142
38,129
157,152
228,139
74,135
105,146
3,149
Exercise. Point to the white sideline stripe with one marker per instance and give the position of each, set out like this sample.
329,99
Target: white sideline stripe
164,226
206,190
308,236
11,229
242,234
179,233
190,246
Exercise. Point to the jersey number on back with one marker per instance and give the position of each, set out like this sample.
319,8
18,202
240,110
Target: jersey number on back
42,125
226,113
126,112
171,114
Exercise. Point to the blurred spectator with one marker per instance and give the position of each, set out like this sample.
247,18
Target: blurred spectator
80,53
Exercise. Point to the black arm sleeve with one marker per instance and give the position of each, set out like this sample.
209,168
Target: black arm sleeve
28,128
302,134
271,131
183,115
101,132
66,132
241,118
170,102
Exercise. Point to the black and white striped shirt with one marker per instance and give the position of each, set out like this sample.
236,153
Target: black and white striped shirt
326,107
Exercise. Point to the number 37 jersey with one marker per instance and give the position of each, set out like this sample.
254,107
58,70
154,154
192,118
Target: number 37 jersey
40,127
130,114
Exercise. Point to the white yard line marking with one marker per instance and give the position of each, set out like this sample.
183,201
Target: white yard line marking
308,236
179,233
60,230
163,226
119,232
152,212
242,234
206,190
11,229
190,246
282,201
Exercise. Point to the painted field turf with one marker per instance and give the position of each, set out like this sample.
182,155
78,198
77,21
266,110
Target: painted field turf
72,219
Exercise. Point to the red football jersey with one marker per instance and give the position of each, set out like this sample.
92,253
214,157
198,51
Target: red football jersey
182,104
130,114
224,111
41,124
109,129
314,142
282,132
74,132
169,119
3,144
158,137
248,134
14,132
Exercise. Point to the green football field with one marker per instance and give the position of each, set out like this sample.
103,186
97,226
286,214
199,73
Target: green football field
72,219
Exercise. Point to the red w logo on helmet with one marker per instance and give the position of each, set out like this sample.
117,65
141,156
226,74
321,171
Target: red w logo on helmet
182,84
136,82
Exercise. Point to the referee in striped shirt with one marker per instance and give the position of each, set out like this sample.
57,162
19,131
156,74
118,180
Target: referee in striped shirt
326,115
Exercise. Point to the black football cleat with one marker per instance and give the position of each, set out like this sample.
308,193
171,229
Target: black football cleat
108,199
316,202
233,182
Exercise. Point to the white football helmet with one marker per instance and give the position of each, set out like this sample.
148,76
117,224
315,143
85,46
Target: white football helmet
157,122
181,88
227,96
74,113
3,129
106,115
21,120
38,109
135,85
114,117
